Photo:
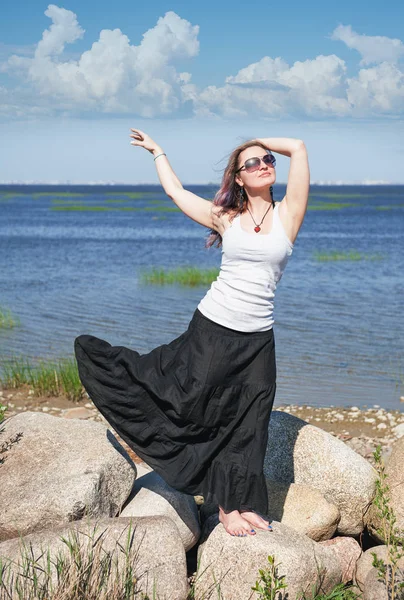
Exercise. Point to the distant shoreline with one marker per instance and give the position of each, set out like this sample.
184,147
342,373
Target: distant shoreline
115,184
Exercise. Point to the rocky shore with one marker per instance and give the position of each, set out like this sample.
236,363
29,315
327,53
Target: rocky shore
361,429
64,473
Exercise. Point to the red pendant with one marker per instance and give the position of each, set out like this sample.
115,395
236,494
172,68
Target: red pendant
257,229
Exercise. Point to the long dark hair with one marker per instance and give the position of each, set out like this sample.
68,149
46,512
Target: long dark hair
231,196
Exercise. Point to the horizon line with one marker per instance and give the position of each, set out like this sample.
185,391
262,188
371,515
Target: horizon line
120,183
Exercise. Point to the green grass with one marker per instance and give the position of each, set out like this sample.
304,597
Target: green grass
116,200
66,201
92,208
337,195
7,319
83,570
162,208
349,255
390,207
89,208
389,531
10,195
328,205
131,195
270,586
58,195
189,276
47,378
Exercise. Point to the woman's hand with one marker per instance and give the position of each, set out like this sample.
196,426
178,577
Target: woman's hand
145,141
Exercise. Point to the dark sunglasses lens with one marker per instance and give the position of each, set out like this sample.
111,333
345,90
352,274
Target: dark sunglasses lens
252,164
269,159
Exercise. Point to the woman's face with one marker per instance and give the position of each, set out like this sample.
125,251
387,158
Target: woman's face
263,177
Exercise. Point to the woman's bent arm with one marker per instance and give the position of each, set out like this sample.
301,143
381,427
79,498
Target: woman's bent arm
297,188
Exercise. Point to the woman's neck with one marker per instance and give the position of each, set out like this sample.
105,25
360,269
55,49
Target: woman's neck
259,204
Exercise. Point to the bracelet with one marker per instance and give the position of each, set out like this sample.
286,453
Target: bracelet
162,154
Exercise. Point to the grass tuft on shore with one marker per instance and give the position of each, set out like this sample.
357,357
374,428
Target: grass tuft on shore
388,572
53,378
337,255
82,568
7,319
190,276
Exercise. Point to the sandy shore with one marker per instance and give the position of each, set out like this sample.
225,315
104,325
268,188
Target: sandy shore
361,429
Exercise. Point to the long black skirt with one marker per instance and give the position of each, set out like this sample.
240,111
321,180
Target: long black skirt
196,410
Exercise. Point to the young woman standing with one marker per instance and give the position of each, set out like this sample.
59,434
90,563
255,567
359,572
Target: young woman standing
197,409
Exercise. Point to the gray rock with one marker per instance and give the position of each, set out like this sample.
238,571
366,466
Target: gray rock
142,469
303,508
395,481
364,567
79,412
298,506
155,553
374,588
58,471
348,552
399,430
301,453
152,496
233,562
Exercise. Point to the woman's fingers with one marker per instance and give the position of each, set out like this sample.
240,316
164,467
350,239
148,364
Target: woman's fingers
138,132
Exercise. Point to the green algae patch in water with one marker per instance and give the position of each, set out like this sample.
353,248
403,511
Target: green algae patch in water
187,276
350,255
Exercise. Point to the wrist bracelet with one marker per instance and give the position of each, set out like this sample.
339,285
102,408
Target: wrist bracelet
162,154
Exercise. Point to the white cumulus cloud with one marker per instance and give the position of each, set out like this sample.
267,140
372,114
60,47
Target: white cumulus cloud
113,76
273,88
314,88
377,90
373,48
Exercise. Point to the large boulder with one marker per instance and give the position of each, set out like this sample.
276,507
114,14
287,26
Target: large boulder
150,546
233,563
298,506
152,496
301,453
303,508
365,576
57,471
348,552
395,481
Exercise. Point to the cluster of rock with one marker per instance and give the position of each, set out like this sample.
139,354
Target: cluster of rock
62,477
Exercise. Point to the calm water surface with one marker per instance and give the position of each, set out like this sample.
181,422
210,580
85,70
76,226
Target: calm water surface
67,267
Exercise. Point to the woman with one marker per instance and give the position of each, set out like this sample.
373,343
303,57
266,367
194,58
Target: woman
197,409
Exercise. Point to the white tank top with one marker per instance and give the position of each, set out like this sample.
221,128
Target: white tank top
242,297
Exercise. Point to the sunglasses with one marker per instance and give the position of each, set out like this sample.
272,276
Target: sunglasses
253,164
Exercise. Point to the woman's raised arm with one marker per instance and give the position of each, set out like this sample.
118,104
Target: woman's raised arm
195,207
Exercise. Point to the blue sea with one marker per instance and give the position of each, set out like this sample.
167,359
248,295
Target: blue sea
71,259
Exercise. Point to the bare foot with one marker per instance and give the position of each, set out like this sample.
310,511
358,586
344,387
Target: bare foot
234,523
255,520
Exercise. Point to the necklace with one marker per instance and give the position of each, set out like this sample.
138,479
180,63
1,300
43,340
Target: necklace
257,227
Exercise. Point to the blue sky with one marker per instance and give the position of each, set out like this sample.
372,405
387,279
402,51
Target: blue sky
200,78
